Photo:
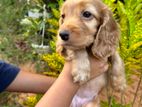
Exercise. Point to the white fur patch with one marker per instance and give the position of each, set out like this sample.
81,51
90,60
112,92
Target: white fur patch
81,67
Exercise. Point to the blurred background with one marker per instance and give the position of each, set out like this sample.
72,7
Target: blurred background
28,31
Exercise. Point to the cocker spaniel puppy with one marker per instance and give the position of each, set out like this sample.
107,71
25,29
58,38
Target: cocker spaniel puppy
88,28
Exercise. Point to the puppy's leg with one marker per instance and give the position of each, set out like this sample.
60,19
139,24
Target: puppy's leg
118,79
81,67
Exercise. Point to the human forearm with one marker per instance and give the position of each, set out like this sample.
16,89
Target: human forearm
61,92
30,83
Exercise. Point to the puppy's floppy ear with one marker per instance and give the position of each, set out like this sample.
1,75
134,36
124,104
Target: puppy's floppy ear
107,36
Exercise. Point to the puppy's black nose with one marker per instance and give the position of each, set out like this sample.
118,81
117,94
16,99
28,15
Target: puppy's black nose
64,35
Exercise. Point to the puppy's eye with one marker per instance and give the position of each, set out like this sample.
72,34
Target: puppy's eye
87,14
63,16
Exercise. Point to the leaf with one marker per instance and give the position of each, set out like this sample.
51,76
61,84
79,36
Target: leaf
60,2
138,8
136,46
52,31
121,8
53,22
56,13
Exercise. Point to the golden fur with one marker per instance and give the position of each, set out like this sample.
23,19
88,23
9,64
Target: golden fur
95,34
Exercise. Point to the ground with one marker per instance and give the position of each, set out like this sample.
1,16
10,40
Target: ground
131,95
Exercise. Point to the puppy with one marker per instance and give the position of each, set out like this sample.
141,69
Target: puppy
88,28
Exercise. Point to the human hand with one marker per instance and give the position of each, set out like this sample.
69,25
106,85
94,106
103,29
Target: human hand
98,66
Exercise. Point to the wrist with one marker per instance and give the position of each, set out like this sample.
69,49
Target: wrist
66,75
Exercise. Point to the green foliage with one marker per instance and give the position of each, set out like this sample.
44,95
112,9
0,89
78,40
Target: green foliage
11,13
13,46
32,100
32,27
111,4
131,37
53,60
113,104
54,19
32,24
55,63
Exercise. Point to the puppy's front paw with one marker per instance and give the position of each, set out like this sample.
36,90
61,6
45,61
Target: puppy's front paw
119,83
81,66
82,77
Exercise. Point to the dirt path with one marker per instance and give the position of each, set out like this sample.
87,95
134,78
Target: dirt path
130,94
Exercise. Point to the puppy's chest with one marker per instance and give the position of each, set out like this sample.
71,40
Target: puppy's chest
89,91
92,87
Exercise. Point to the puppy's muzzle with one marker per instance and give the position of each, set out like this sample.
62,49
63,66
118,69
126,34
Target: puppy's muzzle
64,35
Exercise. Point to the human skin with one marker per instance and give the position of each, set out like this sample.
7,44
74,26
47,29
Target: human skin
28,82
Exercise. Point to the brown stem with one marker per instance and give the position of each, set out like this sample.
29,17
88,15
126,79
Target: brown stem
137,91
